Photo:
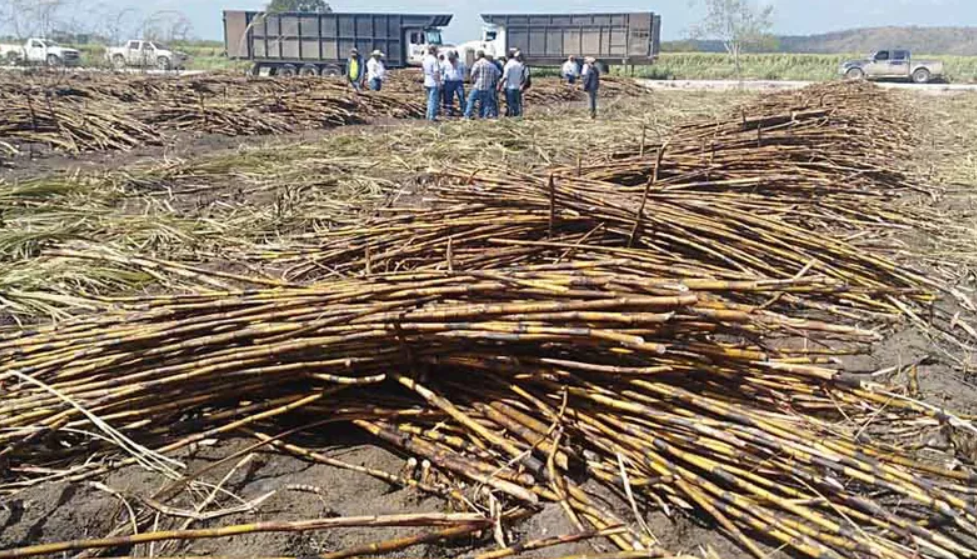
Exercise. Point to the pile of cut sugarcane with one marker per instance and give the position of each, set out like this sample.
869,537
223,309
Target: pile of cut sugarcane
672,334
120,112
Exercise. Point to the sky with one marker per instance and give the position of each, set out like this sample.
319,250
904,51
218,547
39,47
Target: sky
791,17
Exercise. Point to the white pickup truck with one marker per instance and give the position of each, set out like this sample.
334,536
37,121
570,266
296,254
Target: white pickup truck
39,51
146,54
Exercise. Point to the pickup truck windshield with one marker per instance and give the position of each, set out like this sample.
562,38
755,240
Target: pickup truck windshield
433,37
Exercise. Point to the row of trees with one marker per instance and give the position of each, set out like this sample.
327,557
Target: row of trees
104,22
97,21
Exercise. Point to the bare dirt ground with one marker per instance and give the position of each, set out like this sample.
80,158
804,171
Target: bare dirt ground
761,86
292,489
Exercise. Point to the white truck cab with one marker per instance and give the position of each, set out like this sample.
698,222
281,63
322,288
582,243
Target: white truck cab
418,41
493,42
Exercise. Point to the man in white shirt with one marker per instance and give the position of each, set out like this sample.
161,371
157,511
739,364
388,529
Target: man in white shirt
513,80
432,81
376,71
453,71
570,70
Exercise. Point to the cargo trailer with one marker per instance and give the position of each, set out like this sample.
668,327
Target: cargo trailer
628,39
308,43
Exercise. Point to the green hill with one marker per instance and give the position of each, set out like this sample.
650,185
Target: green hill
931,40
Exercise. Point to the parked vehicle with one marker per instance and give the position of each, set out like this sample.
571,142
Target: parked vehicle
893,64
319,44
146,54
40,51
630,39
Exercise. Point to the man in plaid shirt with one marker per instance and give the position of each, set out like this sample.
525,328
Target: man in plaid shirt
485,78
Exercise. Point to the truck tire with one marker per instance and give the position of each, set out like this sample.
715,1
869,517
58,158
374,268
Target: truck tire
855,74
119,62
286,71
163,63
53,60
309,70
332,71
922,75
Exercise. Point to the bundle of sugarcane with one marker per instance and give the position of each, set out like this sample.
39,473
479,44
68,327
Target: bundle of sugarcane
505,219
509,379
823,159
229,119
70,125
620,86
405,81
554,91
840,130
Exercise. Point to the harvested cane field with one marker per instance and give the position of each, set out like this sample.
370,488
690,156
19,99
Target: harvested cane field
710,325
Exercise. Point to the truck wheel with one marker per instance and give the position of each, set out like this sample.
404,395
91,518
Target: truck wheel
309,70
53,60
855,74
921,76
332,71
286,71
119,61
163,63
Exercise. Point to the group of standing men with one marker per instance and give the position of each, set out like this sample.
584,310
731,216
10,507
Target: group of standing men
444,81
372,73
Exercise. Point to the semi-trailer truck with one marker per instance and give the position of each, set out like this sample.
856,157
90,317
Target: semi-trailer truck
303,43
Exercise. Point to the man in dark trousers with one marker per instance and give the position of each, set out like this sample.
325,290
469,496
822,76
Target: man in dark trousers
591,83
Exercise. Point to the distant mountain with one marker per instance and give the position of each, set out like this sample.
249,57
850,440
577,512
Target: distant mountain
927,40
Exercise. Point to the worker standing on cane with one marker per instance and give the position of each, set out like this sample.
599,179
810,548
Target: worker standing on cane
591,83
454,84
355,72
376,71
484,77
432,81
513,80
570,71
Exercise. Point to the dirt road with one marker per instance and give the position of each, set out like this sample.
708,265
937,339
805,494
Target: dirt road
776,85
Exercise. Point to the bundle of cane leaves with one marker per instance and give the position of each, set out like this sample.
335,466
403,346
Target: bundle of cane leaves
650,384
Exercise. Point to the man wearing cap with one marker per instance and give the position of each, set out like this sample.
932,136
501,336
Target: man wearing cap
454,84
432,81
376,71
355,72
591,83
